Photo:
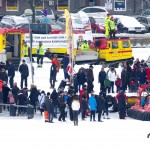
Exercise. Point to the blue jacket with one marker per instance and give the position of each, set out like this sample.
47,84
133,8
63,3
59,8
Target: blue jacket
92,103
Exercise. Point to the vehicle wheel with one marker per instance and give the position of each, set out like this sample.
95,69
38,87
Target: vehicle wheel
125,31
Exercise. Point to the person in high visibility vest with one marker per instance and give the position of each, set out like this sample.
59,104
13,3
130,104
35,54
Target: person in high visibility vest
26,50
107,19
85,46
40,54
112,27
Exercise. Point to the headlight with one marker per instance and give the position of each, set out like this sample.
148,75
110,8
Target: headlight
143,28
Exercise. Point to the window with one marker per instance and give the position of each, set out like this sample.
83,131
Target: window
147,12
39,13
119,5
12,5
114,45
38,4
125,44
96,10
62,5
86,10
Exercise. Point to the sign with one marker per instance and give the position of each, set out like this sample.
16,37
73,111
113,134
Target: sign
119,5
108,4
55,40
62,5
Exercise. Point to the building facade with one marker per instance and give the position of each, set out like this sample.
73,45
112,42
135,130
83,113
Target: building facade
125,7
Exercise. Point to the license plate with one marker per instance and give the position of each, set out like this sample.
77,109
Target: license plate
138,30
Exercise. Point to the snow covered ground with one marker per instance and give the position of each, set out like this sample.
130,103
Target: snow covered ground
18,133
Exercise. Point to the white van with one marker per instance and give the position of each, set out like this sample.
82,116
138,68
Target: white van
13,20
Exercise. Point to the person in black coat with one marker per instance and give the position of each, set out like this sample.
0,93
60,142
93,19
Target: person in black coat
34,93
81,78
48,106
84,106
15,92
101,78
22,100
142,76
5,90
90,79
24,71
65,62
121,105
125,76
53,73
100,105
62,84
4,75
54,98
1,99
11,73
62,106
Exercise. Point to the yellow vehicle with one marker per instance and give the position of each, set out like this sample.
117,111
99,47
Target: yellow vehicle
114,50
12,41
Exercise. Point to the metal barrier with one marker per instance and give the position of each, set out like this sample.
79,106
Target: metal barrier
13,109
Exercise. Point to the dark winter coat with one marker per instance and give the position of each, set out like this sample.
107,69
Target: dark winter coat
11,71
24,70
53,71
34,95
61,102
62,84
125,75
81,78
142,76
15,92
65,62
100,103
90,76
5,90
84,104
54,97
22,100
48,106
121,102
101,76
1,96
4,76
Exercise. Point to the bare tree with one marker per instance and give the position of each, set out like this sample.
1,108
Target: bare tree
32,6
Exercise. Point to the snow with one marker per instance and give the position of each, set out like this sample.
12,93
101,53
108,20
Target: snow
19,133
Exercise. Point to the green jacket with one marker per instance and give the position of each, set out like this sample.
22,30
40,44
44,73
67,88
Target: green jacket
107,83
107,19
40,50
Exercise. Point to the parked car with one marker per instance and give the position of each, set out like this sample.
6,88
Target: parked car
92,10
144,21
142,12
127,24
55,28
13,20
76,22
40,13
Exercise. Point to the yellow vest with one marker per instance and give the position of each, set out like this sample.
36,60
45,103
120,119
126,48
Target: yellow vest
26,48
111,24
85,47
107,19
40,50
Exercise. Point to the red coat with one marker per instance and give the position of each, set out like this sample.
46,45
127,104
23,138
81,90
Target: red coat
117,96
118,82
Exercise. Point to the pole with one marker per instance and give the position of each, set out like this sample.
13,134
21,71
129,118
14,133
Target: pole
30,32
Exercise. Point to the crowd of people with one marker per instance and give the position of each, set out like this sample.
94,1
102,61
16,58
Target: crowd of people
80,97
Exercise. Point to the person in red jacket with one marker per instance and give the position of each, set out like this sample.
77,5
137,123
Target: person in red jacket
118,83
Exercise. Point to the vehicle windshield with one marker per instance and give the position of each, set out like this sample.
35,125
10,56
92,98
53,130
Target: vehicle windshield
100,20
77,21
138,12
76,10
